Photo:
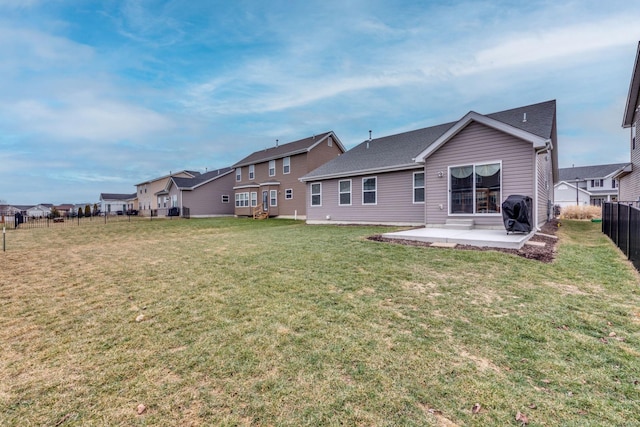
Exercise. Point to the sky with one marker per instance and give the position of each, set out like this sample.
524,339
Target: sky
97,96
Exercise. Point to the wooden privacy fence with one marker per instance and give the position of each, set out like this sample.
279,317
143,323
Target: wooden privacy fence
621,222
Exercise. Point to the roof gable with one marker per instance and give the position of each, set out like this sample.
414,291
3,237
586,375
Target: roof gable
202,179
191,174
634,92
289,149
536,140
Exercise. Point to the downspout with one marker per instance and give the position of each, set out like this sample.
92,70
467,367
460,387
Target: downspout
535,203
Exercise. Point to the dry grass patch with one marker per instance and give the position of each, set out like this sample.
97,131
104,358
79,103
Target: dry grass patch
581,212
278,323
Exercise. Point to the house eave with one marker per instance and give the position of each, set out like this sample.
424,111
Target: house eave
634,91
370,171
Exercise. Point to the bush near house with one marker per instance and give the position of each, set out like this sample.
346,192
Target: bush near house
581,212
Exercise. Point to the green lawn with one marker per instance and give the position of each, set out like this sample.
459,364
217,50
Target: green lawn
278,323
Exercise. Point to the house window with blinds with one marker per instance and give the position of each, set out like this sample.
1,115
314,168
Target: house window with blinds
475,189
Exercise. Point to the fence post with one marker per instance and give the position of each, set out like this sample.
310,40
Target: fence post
629,233
618,227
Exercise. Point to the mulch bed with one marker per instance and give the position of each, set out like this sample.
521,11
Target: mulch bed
546,253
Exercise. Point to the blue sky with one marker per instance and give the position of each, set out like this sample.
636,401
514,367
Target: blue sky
98,96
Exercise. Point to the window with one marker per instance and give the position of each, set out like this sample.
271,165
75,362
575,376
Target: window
418,187
273,197
288,193
254,199
344,190
252,171
369,191
286,165
614,183
316,194
272,167
475,189
597,182
159,201
242,200
330,142
225,198
238,174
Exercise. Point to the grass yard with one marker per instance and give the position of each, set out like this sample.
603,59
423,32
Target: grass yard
243,322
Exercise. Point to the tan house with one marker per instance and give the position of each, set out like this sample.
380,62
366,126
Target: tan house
149,200
629,177
267,182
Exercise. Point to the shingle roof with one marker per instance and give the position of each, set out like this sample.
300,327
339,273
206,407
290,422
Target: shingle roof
192,173
589,172
288,149
117,196
190,183
399,151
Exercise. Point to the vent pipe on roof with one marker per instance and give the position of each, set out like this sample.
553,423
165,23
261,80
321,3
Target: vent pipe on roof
524,118
276,143
369,135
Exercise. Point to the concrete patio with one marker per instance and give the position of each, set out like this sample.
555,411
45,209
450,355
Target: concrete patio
474,237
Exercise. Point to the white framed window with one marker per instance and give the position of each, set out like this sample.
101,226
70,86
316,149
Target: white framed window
286,165
344,192
225,198
273,197
316,194
254,199
330,142
418,187
252,171
159,201
272,167
238,174
242,200
288,193
475,189
614,183
369,191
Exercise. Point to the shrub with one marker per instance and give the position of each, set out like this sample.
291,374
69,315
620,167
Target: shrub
581,212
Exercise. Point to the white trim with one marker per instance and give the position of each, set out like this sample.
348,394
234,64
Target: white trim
252,171
472,116
375,191
240,187
269,168
473,209
285,193
273,195
222,196
311,194
238,174
362,172
424,187
285,164
341,193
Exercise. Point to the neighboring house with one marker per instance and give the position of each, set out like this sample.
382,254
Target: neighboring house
597,180
114,203
39,211
456,171
629,177
206,195
12,210
268,183
64,209
566,193
146,191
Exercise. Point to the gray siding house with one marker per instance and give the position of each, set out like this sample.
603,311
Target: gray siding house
267,182
205,195
629,178
459,170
